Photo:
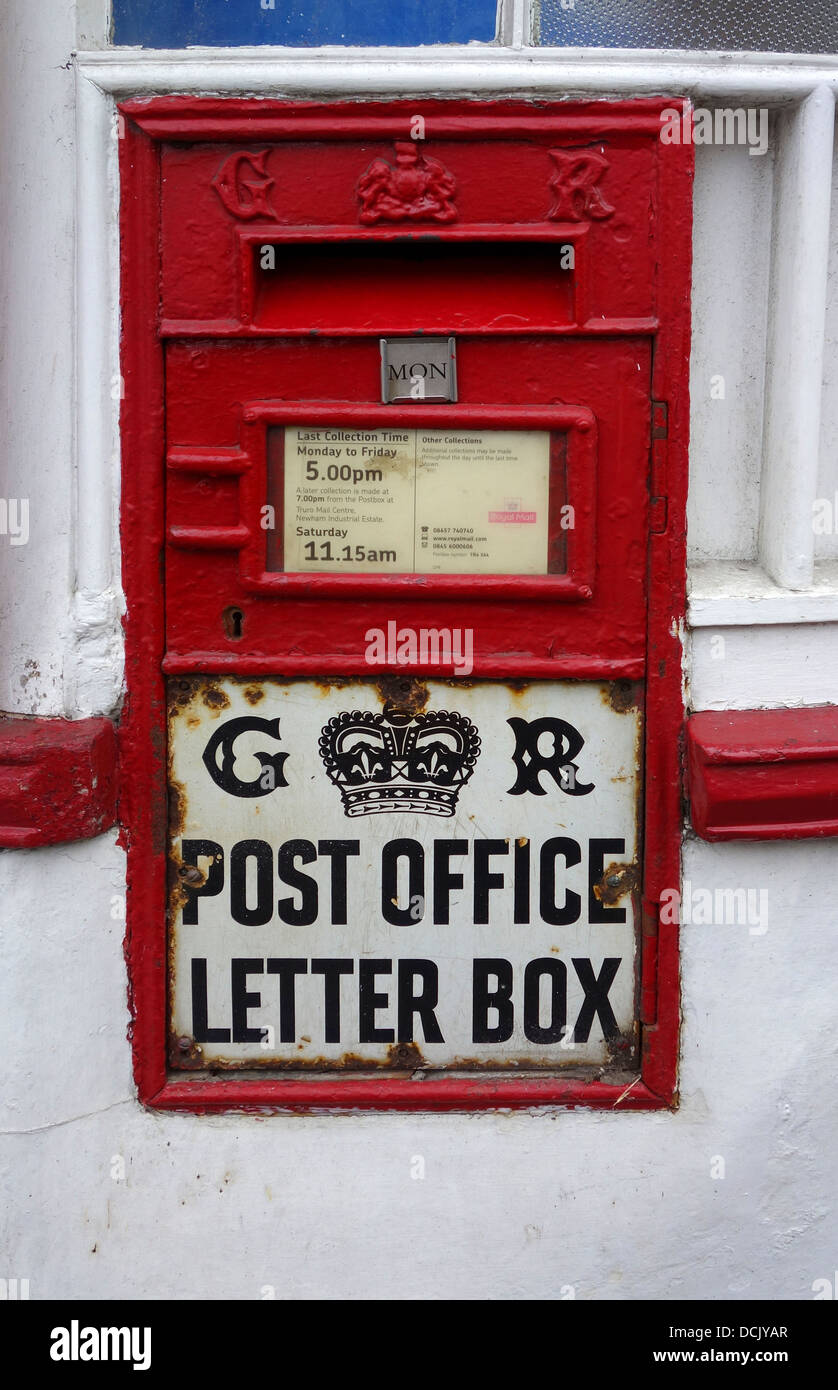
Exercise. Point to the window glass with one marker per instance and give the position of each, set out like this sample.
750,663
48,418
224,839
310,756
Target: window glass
228,23
767,26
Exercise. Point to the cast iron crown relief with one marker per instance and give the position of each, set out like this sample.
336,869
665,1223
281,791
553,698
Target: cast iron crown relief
416,188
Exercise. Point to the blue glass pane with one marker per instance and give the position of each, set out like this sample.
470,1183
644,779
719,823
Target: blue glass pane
306,23
761,26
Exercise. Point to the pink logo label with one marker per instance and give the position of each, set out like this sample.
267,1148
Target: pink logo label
504,517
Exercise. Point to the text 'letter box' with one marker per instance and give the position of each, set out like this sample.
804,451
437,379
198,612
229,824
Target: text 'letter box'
404,439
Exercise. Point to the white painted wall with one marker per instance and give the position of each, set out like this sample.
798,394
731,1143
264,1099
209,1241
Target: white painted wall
731,253
37,170
527,1205
826,545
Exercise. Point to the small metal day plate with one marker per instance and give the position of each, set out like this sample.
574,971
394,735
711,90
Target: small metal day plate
418,369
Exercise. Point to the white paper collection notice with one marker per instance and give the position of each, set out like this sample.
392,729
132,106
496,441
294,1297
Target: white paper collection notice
416,501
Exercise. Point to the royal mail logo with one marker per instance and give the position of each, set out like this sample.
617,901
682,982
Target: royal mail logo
399,762
505,518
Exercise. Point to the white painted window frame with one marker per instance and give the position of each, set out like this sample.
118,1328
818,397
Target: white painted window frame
784,586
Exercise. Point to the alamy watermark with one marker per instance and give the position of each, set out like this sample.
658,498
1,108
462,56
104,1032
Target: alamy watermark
725,126
720,907
825,515
14,519
424,646
82,1343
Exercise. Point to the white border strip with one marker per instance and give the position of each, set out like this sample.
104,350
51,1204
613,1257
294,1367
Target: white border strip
795,344
459,69
513,21
93,668
725,594
97,381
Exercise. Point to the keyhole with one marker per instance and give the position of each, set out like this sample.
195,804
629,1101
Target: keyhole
233,620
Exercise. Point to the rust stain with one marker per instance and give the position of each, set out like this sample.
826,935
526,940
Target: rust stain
181,692
616,880
185,1053
455,683
401,1057
181,877
253,694
215,699
326,684
178,896
178,807
405,1056
402,694
621,695
191,874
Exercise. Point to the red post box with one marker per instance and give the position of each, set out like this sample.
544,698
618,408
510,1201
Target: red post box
404,439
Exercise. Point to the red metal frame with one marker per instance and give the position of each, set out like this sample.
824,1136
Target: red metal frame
143,802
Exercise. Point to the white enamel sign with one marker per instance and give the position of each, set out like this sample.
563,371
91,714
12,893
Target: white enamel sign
447,881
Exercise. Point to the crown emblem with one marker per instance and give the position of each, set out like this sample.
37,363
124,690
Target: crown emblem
415,188
399,762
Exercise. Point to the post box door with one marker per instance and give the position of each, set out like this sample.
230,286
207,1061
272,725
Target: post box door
575,586
422,575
